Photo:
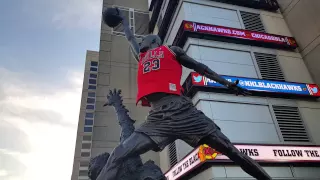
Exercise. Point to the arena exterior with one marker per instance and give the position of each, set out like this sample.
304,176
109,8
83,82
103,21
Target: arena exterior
250,40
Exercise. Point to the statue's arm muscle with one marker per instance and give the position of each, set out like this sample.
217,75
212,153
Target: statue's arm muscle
131,38
199,67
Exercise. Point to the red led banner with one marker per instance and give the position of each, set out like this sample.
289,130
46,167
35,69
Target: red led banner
234,33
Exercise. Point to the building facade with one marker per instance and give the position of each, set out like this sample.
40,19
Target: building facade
300,14
266,118
98,129
86,117
217,29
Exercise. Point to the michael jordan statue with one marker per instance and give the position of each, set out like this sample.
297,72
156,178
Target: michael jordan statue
172,115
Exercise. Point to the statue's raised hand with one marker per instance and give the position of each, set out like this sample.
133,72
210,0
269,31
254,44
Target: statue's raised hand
113,97
113,17
237,89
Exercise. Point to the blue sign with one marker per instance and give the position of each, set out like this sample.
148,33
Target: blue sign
260,85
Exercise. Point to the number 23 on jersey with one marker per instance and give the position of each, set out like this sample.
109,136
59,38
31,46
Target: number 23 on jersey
151,65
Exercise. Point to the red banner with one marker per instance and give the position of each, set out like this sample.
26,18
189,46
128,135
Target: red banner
239,33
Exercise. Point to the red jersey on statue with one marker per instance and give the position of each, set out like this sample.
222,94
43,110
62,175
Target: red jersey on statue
158,71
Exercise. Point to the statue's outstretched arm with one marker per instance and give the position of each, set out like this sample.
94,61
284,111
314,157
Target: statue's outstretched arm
204,70
130,37
199,67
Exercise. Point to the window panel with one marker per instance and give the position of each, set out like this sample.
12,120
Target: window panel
90,107
93,69
83,173
91,94
84,163
93,75
85,154
86,138
141,23
89,115
91,100
88,122
86,145
92,81
92,87
94,63
87,129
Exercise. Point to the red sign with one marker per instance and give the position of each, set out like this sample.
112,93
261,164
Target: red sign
239,34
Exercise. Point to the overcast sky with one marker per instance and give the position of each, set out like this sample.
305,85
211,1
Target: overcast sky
42,52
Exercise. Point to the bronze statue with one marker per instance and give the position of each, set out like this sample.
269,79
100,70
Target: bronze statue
172,116
131,168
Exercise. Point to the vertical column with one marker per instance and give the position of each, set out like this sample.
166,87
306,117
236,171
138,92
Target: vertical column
88,121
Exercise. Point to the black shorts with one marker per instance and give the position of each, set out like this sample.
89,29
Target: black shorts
175,117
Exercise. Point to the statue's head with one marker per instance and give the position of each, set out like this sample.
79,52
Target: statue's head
150,42
96,164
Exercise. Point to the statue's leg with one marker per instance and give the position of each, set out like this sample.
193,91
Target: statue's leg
136,144
222,144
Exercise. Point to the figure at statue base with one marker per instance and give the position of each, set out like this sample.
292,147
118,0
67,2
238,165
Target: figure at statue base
172,116
131,168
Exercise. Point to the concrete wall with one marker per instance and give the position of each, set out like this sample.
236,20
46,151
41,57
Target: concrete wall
302,17
90,56
117,69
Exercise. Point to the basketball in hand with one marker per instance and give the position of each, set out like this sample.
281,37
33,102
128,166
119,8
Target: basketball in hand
111,16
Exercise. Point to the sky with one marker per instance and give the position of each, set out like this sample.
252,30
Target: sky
43,44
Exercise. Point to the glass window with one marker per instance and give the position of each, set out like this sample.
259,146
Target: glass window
93,69
86,138
87,129
94,63
92,87
84,163
90,107
85,154
141,28
83,173
86,145
92,81
88,122
91,94
90,100
93,75
89,115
